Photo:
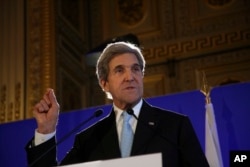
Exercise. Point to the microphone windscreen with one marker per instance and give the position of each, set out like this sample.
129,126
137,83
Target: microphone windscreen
130,111
98,112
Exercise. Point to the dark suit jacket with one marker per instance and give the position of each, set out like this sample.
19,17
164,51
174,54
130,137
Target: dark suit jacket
157,130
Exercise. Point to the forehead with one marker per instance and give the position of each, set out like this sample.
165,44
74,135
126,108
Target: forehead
125,59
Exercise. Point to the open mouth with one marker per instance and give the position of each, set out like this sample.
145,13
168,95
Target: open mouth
130,88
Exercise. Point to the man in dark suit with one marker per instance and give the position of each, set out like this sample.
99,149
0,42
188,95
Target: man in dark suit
120,71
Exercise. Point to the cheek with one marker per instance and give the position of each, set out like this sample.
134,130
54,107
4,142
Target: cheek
114,87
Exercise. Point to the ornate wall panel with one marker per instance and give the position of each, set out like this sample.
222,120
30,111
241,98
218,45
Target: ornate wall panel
71,16
71,40
155,85
71,95
123,17
226,74
12,56
204,17
219,69
70,75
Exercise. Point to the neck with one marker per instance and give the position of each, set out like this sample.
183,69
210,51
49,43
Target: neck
127,105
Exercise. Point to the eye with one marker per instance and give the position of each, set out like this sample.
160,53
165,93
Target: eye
119,70
136,68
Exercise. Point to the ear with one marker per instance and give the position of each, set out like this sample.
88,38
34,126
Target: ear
104,85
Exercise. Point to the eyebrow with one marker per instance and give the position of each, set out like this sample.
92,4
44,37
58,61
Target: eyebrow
133,65
118,66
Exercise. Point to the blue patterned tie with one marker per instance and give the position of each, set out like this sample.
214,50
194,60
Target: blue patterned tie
126,136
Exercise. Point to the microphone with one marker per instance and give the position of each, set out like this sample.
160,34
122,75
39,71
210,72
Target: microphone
131,112
96,114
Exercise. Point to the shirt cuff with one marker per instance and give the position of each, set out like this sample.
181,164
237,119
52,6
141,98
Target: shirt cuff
41,138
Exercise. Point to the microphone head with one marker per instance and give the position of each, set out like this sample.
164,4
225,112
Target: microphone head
130,111
98,112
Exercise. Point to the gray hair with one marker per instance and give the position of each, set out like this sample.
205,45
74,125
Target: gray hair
112,50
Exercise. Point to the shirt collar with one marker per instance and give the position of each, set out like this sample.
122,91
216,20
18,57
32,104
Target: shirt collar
136,109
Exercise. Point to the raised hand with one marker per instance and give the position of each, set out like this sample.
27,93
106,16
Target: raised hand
46,113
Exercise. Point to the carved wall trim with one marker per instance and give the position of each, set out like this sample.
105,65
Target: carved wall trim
131,13
139,17
218,68
18,97
3,103
183,49
40,49
224,74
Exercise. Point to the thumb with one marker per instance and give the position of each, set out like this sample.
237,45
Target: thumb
52,98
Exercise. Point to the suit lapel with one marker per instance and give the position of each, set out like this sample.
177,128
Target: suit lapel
109,142
145,130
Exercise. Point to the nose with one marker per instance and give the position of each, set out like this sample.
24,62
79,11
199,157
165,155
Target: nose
129,76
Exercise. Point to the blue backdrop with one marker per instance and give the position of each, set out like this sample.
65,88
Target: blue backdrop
231,107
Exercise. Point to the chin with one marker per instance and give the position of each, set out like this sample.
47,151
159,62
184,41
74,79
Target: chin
133,100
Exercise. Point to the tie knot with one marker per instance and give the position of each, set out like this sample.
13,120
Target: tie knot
126,116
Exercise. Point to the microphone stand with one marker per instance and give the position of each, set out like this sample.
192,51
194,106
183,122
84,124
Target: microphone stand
96,114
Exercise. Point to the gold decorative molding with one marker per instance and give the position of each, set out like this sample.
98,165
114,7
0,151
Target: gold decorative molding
10,112
48,54
18,93
3,102
40,49
199,45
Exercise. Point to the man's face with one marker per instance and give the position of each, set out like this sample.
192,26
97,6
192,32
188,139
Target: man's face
125,80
